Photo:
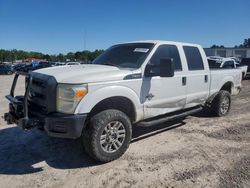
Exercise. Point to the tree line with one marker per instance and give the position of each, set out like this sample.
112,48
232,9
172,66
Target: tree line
245,44
13,55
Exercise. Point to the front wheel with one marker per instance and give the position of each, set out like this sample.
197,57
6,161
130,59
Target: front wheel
108,135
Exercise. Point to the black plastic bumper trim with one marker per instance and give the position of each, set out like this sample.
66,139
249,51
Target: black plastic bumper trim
65,126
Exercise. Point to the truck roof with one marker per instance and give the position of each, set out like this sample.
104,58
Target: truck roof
162,42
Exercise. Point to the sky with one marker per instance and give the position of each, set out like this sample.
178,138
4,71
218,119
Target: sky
62,26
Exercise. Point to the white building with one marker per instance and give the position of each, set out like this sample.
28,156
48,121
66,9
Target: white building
228,52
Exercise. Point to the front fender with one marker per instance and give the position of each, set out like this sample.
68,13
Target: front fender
96,96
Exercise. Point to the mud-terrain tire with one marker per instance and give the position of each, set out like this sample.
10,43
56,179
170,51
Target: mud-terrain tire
221,104
107,135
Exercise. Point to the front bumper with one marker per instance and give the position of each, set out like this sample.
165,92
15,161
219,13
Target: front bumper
65,126
55,124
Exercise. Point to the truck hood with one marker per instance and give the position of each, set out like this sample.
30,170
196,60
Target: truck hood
87,73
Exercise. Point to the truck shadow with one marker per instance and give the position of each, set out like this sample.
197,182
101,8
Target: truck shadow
204,114
26,152
140,133
247,78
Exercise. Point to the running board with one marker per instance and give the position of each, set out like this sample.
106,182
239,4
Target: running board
170,117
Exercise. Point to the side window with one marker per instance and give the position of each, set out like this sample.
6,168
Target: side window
166,52
228,65
193,57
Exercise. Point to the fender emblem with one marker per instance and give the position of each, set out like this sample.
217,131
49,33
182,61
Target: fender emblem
149,96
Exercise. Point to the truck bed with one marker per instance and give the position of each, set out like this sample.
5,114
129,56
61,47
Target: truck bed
221,76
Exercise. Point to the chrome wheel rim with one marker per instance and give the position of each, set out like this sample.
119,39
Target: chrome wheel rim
225,105
112,137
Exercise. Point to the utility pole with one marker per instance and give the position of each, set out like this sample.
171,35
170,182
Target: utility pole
85,44
84,40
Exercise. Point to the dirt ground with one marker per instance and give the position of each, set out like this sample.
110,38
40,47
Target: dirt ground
197,151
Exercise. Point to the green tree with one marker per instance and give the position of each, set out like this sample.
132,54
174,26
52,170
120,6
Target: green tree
70,56
217,46
61,57
246,43
53,58
78,56
12,55
47,57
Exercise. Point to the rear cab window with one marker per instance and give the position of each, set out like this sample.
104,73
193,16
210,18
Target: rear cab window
193,57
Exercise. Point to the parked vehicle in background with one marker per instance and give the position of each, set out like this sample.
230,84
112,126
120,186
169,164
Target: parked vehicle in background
243,68
26,67
40,65
72,63
22,67
227,63
246,61
86,62
143,83
58,64
6,69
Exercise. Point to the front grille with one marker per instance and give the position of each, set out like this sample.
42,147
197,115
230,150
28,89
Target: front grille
42,94
38,83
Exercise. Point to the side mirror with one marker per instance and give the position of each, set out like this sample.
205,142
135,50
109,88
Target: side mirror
166,68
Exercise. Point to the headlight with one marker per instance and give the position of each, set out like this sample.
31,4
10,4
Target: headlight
69,96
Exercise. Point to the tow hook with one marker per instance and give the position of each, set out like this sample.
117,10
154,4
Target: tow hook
8,118
26,123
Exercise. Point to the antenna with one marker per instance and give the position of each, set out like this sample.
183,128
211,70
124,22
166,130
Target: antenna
84,40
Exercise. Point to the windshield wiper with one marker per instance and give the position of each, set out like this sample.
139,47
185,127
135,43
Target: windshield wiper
110,64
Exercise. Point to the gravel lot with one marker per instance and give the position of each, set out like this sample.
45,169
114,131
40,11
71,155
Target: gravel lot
198,151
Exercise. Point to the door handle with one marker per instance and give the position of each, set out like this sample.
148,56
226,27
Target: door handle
184,80
206,78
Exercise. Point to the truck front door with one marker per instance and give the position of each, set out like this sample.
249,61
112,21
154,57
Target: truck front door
161,95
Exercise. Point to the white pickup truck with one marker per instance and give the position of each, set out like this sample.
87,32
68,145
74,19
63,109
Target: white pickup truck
215,62
142,83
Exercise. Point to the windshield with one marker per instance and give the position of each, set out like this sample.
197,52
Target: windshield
129,55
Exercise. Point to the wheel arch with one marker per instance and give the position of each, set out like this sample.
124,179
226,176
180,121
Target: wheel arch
228,86
119,103
116,97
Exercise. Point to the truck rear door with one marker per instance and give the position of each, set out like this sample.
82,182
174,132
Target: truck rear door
197,77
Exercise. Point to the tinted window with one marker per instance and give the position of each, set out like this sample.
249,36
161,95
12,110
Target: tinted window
193,57
167,52
213,64
228,65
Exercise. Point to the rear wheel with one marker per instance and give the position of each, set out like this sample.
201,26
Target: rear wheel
108,135
221,103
